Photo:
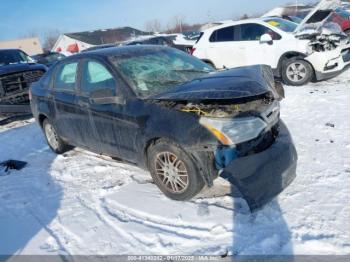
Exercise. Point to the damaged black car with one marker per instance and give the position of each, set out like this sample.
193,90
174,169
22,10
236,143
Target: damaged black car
17,72
172,114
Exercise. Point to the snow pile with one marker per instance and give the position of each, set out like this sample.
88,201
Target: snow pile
79,203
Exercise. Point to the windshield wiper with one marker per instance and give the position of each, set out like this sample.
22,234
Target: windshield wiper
165,82
192,70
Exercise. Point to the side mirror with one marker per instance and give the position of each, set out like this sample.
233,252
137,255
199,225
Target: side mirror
266,39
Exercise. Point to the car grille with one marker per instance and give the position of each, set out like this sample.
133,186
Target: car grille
19,82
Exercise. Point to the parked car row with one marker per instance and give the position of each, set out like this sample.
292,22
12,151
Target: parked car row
296,14
298,53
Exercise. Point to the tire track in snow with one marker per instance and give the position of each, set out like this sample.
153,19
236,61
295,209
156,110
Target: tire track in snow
93,207
178,229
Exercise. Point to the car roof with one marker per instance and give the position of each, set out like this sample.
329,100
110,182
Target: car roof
119,50
232,23
10,49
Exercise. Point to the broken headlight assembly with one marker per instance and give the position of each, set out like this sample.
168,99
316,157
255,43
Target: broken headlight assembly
231,132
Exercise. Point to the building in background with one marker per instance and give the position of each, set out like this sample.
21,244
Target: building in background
31,46
75,42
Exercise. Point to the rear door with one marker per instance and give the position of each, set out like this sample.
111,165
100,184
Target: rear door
224,50
63,92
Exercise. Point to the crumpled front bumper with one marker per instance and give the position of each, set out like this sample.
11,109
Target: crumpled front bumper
260,177
330,63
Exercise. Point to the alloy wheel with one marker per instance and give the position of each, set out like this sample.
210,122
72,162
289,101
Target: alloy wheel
51,136
172,172
296,72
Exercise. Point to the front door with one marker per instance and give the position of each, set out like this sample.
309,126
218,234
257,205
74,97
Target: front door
115,132
255,52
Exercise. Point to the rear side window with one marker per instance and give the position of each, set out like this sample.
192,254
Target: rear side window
200,36
253,32
96,77
226,34
66,76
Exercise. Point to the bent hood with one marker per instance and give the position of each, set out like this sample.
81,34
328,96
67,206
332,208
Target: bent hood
243,82
319,13
14,68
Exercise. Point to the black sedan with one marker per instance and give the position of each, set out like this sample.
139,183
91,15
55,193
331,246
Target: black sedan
48,58
172,114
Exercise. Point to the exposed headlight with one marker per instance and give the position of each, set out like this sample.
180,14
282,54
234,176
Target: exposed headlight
234,131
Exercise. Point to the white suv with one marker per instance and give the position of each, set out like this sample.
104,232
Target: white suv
295,55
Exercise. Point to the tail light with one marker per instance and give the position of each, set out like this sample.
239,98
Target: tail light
192,50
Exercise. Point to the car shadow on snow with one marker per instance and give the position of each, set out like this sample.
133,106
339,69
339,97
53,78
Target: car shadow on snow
261,236
29,198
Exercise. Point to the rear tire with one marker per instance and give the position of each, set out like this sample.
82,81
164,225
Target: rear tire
297,72
53,140
174,171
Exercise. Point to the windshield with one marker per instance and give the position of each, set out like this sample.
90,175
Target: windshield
282,24
191,35
8,57
296,19
155,71
54,57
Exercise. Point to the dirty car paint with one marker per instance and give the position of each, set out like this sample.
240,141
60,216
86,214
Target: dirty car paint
126,128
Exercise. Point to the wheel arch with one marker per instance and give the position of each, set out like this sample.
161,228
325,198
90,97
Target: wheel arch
289,55
149,143
41,118
202,159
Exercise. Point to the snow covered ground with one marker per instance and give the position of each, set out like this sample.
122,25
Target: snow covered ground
79,203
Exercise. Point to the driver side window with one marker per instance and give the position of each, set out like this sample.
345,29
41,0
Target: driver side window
253,32
97,78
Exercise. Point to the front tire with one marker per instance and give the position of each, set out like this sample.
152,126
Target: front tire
297,72
174,171
53,140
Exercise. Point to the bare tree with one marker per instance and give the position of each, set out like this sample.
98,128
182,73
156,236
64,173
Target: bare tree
153,26
31,33
244,17
49,38
176,24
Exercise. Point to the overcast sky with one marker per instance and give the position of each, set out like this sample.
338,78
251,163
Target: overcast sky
18,17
